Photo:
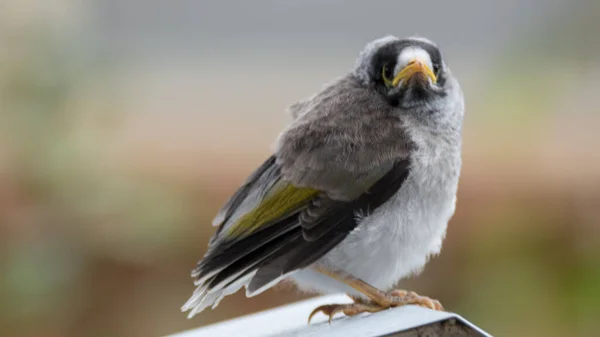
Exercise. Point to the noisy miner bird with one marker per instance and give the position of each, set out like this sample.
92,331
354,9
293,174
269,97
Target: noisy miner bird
358,192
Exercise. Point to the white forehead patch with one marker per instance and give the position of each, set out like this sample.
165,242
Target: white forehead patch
411,53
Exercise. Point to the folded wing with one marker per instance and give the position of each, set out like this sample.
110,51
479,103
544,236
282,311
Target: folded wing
330,165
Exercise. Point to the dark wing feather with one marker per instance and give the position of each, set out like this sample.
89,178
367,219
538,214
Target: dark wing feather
296,241
318,219
263,246
227,252
262,178
350,145
329,228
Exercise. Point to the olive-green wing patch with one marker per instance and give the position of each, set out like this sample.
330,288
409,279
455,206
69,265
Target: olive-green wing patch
282,201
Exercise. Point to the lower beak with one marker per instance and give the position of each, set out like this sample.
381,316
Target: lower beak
414,67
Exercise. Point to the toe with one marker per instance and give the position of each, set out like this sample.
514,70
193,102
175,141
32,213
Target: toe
314,312
330,310
438,305
322,309
403,297
427,302
399,293
351,309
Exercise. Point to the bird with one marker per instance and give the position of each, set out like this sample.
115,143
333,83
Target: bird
357,193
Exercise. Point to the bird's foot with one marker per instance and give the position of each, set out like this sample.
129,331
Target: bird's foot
377,300
397,298
348,309
394,298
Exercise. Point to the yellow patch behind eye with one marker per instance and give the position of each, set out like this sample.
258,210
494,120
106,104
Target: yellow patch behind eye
389,82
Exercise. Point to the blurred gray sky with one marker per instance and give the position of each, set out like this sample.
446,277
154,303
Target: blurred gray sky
461,27
185,70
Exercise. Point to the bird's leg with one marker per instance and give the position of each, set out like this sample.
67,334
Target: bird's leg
379,300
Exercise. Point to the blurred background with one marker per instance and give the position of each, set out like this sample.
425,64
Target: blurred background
125,124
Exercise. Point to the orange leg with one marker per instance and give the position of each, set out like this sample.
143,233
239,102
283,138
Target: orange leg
378,300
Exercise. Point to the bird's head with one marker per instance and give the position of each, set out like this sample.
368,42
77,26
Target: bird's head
410,73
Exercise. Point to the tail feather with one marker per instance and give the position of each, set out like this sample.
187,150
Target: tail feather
229,267
204,298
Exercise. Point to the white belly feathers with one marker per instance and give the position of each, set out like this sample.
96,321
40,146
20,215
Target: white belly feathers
397,239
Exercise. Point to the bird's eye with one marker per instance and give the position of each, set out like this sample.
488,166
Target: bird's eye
386,74
436,69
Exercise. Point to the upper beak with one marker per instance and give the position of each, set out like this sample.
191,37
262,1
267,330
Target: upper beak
413,67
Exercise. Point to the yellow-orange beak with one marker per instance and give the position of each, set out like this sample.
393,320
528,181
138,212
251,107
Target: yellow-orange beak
413,67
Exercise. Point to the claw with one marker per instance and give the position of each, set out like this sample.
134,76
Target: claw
438,305
329,310
314,312
349,309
